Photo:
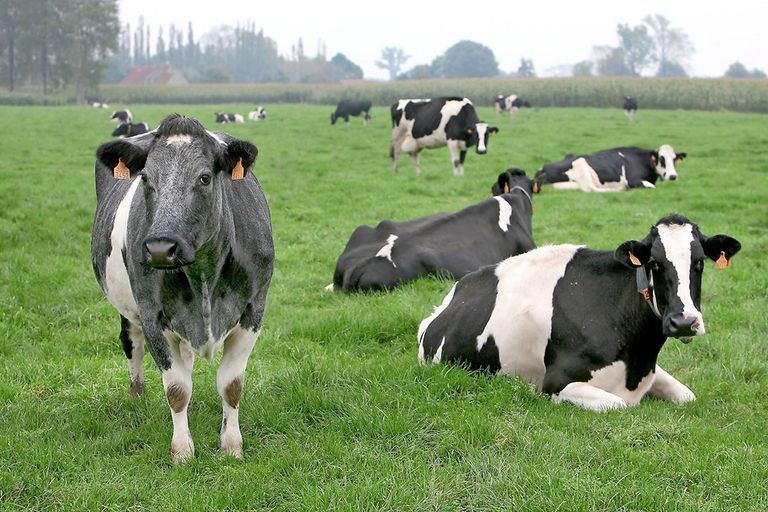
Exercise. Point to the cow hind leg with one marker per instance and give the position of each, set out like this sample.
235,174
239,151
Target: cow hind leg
132,338
416,164
229,382
589,397
177,382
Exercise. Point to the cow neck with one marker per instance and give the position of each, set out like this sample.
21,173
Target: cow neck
210,258
525,192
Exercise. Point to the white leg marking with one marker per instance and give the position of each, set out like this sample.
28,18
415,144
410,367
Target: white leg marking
329,288
669,388
177,383
589,397
648,184
453,148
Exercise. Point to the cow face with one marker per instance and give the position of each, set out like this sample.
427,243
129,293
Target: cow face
674,252
182,178
478,136
512,177
665,159
334,117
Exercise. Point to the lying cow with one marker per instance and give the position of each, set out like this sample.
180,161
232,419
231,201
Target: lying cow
630,107
122,116
511,104
447,244
346,108
571,320
450,121
260,114
612,170
130,129
182,248
222,117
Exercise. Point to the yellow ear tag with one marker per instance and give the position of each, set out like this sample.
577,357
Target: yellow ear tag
121,171
506,188
238,172
722,262
635,261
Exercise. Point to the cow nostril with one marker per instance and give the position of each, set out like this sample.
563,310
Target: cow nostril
682,325
672,178
161,250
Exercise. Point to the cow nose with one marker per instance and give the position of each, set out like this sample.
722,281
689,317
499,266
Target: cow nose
680,325
481,151
673,177
161,252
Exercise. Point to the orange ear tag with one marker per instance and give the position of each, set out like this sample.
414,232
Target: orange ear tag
121,171
238,172
635,261
506,188
536,188
722,262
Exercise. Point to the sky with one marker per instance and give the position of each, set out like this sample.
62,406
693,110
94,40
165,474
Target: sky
551,33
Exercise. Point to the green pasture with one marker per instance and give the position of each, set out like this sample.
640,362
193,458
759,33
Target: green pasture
337,414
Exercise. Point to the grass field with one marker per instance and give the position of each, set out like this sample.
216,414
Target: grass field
337,414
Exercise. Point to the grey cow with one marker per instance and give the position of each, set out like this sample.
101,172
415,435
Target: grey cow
182,248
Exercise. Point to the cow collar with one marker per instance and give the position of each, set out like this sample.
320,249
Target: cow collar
527,195
645,288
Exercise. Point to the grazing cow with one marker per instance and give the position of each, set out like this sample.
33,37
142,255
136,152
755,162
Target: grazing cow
130,129
449,121
122,116
630,107
511,103
99,104
260,114
582,325
182,248
347,108
449,244
611,170
222,117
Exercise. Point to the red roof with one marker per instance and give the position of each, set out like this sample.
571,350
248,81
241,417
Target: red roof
154,75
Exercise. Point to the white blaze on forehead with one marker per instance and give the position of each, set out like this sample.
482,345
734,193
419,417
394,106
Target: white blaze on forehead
481,128
669,162
178,140
386,251
505,213
677,239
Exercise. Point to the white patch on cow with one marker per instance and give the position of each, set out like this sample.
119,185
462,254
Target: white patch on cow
329,288
505,213
179,376
668,170
481,128
239,118
521,321
386,251
589,397
424,325
437,138
669,388
216,138
439,352
621,154
509,100
677,239
648,184
116,281
613,379
178,140
587,179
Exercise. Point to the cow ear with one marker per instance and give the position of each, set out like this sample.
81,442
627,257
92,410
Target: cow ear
123,158
654,158
720,248
238,158
679,157
493,130
633,253
469,131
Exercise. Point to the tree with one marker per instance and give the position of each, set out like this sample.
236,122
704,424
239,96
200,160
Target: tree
671,68
526,68
583,68
673,48
469,59
343,68
392,59
638,47
611,61
739,70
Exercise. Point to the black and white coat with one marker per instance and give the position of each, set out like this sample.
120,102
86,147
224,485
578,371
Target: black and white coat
346,108
511,104
182,248
570,320
630,107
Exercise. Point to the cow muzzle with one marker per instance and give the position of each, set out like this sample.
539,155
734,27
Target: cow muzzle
681,325
164,252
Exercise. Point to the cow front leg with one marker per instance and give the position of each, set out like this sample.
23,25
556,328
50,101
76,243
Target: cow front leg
589,397
229,382
177,383
416,164
453,148
132,338
669,388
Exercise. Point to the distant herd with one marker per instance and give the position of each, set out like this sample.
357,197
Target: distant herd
182,247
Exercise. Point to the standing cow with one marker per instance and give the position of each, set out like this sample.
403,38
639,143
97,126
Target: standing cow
630,107
511,103
584,326
346,108
182,248
449,121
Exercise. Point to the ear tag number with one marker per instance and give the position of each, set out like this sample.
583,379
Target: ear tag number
121,171
238,172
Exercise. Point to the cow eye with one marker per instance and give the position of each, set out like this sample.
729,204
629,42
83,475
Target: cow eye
143,176
655,267
698,265
205,179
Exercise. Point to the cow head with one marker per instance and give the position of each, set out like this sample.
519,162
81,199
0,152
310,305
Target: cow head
334,117
674,253
664,161
512,177
183,171
221,117
477,136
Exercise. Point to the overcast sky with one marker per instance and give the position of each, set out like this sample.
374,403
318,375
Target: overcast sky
549,32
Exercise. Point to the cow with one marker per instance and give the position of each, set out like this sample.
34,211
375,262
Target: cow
630,107
260,114
130,129
611,170
346,108
99,104
222,117
182,248
447,121
511,103
122,116
446,244
582,325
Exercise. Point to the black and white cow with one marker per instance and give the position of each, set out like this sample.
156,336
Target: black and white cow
449,121
99,104
630,107
611,170
447,244
346,108
222,117
182,248
122,116
260,114
511,103
130,129
572,321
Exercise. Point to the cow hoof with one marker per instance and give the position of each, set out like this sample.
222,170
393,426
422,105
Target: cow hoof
137,387
232,444
182,450
684,397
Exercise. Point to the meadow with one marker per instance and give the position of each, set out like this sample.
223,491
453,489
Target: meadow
336,413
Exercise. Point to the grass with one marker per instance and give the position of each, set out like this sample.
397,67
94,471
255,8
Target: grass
336,413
